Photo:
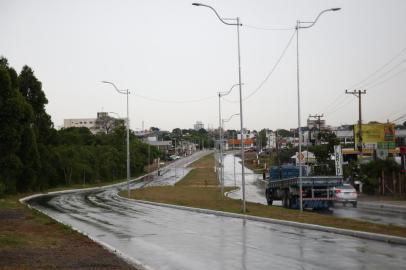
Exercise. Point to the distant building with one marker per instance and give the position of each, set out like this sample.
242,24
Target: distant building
316,124
102,124
198,126
163,146
345,134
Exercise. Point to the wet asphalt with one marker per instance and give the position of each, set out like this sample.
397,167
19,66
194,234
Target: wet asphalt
255,192
167,238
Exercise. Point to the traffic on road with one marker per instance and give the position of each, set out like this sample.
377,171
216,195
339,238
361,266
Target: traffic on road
157,237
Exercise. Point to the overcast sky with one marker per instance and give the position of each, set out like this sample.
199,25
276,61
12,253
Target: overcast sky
175,57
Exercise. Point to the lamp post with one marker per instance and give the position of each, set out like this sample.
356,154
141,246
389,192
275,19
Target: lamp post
303,25
222,94
222,160
238,24
125,92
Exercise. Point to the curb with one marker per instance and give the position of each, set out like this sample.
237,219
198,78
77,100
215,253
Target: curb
133,262
363,235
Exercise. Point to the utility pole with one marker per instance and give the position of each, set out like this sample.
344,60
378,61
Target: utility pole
358,94
277,147
318,121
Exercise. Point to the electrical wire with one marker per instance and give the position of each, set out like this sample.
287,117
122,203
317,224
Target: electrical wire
399,118
175,101
387,79
379,69
339,108
374,83
268,29
393,114
269,74
337,101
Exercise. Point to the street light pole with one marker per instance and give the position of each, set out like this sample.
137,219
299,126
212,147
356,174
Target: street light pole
238,24
302,25
222,94
125,92
222,162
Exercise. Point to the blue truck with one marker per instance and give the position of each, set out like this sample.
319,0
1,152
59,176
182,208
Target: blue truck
317,191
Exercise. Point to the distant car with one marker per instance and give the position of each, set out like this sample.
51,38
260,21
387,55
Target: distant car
345,194
174,157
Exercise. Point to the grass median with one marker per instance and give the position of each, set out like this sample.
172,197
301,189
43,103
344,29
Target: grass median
201,189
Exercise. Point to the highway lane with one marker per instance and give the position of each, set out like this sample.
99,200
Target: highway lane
166,238
255,190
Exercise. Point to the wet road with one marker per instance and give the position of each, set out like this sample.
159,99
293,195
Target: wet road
255,190
166,238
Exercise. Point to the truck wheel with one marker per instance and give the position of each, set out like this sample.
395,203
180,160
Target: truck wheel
268,197
286,201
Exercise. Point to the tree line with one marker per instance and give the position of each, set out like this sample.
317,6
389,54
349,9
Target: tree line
35,156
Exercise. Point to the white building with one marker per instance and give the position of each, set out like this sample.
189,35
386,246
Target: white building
198,126
102,123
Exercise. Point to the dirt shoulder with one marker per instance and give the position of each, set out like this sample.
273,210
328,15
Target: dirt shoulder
200,189
30,240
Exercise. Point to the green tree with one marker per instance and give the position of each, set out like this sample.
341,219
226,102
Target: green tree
15,135
263,138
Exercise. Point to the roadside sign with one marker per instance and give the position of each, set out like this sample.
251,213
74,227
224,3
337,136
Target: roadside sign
338,159
382,153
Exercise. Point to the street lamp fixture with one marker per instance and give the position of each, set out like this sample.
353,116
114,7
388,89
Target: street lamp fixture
221,152
303,25
238,24
125,92
222,94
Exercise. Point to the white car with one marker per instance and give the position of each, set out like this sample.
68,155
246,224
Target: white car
345,194
174,157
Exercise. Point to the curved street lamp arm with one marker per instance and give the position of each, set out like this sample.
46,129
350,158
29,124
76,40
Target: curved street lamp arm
215,12
228,119
115,87
222,94
317,18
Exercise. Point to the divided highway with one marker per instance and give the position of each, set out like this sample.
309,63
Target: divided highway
167,238
255,192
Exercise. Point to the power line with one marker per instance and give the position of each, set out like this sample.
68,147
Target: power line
268,29
339,108
175,101
270,73
380,68
399,118
384,74
393,114
335,102
387,79
370,76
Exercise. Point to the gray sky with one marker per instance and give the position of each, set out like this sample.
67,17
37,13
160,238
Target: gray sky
171,51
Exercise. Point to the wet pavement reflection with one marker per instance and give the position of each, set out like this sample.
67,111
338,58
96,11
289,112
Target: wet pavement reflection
255,192
166,238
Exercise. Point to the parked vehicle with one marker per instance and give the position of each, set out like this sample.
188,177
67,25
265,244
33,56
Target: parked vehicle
344,194
317,191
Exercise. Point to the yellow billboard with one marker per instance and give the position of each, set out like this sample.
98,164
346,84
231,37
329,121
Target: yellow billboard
374,133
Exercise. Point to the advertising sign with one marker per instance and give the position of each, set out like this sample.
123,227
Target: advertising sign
338,159
375,133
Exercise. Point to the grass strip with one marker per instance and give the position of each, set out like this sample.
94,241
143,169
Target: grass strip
200,189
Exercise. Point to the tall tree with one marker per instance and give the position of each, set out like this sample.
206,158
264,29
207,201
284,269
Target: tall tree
31,88
15,123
